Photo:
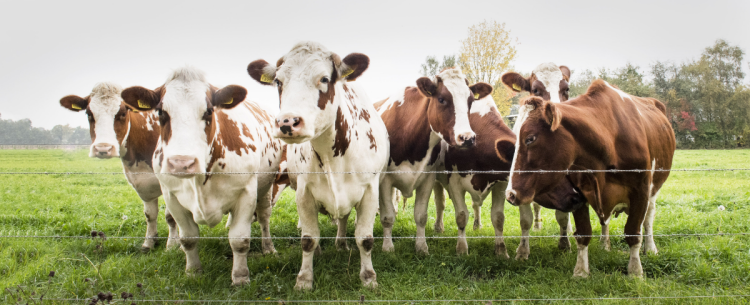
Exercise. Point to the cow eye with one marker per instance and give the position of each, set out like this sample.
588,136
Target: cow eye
278,82
208,115
536,91
530,139
91,117
324,80
441,101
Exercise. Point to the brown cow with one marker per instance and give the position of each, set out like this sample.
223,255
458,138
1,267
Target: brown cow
604,129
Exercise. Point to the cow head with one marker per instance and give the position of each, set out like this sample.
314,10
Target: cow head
307,78
543,144
547,81
185,104
449,100
108,120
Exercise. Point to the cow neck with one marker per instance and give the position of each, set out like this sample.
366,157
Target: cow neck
139,142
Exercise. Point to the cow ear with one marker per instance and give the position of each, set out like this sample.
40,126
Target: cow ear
552,115
566,73
74,102
516,82
262,72
426,86
141,98
353,66
481,90
229,96
505,150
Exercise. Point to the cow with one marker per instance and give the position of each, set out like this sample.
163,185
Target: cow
603,129
121,131
211,143
337,146
549,82
418,120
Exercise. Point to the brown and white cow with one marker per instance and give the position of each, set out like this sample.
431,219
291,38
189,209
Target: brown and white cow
419,119
549,82
206,132
604,129
120,131
334,135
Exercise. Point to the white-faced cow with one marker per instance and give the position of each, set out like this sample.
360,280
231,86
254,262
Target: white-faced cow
120,131
206,132
549,82
331,127
604,129
419,119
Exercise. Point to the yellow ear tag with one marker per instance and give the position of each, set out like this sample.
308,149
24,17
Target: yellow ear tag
347,73
76,107
230,101
143,105
266,79
476,96
517,87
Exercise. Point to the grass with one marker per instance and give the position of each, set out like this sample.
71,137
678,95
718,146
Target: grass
78,204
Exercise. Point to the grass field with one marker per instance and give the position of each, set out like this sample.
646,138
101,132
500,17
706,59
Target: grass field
77,204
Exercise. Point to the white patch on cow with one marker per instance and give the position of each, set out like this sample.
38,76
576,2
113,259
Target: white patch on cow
395,99
582,262
523,114
104,105
455,82
484,105
622,94
550,75
149,121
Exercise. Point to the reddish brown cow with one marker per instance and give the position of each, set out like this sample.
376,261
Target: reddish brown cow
604,129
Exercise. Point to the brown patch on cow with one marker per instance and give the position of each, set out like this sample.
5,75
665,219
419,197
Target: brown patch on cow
320,161
408,127
373,144
170,221
141,142
341,141
435,153
368,243
307,243
325,98
188,243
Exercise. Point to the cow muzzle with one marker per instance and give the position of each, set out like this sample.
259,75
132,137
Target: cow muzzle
182,166
466,139
103,151
290,128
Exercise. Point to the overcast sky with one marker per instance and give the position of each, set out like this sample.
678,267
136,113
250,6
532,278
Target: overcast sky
49,49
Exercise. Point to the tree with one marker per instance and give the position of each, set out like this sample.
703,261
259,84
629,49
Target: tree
486,53
432,66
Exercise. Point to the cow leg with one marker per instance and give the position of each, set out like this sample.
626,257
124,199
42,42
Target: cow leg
151,210
583,237
563,219
439,199
387,213
604,239
189,233
537,216
458,196
476,204
648,226
173,241
308,216
366,213
638,208
239,235
341,233
522,253
263,213
497,214
421,200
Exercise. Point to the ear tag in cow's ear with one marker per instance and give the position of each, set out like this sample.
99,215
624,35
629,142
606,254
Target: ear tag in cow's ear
230,101
75,106
143,105
266,79
517,87
348,72
476,96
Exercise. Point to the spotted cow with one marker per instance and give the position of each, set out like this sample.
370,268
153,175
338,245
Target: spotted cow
603,129
419,119
337,146
121,131
206,134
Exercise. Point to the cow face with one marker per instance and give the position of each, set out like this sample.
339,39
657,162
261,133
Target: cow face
108,120
307,78
185,104
547,81
542,145
450,99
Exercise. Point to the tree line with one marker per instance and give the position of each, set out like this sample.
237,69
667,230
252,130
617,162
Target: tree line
21,132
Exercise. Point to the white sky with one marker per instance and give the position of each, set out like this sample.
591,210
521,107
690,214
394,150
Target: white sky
49,49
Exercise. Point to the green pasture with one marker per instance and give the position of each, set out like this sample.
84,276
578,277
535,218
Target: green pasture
77,204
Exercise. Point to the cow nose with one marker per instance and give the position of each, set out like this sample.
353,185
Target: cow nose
289,125
104,150
510,196
466,139
182,165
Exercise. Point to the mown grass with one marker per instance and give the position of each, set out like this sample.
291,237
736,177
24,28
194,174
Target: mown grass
77,204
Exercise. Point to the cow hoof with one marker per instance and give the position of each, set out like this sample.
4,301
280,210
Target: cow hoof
422,248
342,246
270,250
193,272
462,248
564,244
477,225
501,251
240,281
303,285
371,285
605,244
318,250
439,227
387,245
172,244
580,274
522,254
650,249
369,279
537,225
146,249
